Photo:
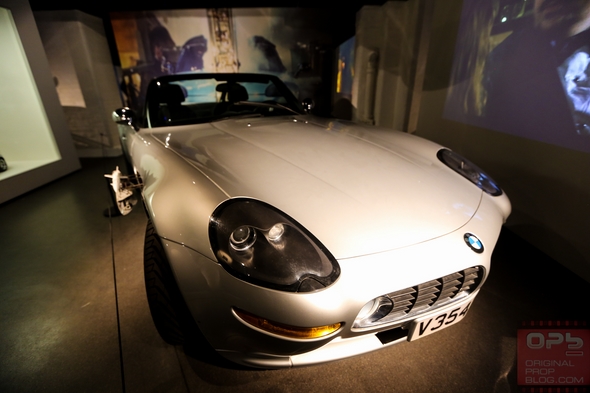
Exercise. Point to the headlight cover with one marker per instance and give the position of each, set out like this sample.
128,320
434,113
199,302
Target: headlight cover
259,244
469,170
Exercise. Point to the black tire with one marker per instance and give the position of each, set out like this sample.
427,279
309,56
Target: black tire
164,298
3,165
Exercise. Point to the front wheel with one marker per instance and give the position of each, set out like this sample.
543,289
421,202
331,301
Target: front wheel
170,313
164,298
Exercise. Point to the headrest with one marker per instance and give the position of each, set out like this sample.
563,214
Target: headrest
171,94
233,91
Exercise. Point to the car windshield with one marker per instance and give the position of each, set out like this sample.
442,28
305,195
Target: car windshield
202,98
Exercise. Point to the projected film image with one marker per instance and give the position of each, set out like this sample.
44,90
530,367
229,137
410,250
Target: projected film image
522,67
288,43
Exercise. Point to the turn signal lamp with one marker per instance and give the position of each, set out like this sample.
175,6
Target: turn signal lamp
284,330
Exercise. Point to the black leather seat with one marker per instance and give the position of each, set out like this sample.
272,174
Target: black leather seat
171,110
230,94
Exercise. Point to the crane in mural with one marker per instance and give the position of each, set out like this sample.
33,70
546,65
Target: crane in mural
222,34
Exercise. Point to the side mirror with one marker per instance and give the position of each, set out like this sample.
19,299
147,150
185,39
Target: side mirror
308,105
125,116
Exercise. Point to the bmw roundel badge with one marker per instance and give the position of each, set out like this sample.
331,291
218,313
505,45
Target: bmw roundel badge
473,242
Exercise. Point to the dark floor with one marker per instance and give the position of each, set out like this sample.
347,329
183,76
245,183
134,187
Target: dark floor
66,327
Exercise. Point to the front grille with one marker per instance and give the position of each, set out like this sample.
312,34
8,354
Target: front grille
429,295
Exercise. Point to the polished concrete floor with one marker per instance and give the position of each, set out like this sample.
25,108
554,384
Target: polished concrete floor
74,316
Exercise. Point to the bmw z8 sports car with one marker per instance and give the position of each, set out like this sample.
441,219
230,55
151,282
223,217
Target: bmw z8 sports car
292,239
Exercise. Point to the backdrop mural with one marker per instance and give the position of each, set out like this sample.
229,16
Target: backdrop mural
291,43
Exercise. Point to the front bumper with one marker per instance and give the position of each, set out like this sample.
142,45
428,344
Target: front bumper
339,347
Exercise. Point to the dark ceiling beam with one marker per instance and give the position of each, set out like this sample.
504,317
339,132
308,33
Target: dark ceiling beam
101,9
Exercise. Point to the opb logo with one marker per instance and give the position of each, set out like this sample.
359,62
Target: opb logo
547,340
554,354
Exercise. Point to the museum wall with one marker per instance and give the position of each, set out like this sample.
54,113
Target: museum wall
34,137
385,62
86,83
547,182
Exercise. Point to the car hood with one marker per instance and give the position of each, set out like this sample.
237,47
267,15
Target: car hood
359,189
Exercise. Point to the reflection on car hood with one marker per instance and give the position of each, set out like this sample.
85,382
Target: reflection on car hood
359,190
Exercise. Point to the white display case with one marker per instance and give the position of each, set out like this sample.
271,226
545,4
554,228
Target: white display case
34,138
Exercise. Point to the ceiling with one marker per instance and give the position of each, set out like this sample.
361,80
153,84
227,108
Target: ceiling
101,9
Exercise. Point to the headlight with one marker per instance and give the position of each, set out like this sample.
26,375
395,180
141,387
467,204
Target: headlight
261,245
469,170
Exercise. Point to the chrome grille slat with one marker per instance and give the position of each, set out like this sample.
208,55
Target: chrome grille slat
432,290
447,294
453,276
454,283
433,293
426,296
402,292
404,298
426,300
403,304
452,286
432,283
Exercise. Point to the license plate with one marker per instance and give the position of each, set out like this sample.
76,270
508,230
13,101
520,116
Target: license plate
449,316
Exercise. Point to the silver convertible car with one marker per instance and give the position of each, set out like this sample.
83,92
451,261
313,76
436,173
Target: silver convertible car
290,239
